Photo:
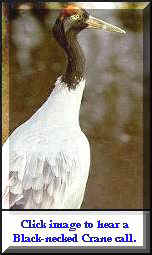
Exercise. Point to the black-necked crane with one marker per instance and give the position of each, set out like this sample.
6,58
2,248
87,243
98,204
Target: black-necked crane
46,159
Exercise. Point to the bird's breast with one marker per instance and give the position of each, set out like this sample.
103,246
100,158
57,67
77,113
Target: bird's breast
50,140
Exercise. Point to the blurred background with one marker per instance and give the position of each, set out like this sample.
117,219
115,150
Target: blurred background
111,110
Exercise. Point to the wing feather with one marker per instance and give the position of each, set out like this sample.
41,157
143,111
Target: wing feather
41,182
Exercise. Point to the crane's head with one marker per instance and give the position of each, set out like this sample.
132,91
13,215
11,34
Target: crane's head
73,19
78,19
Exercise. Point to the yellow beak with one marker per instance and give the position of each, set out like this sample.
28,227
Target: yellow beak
100,24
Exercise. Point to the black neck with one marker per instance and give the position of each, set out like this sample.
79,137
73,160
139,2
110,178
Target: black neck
76,61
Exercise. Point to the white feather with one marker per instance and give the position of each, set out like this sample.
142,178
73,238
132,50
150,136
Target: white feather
48,157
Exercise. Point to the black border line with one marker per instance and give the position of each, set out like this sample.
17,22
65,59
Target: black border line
12,2
146,108
1,93
77,210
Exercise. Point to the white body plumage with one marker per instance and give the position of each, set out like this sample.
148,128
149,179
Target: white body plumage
48,156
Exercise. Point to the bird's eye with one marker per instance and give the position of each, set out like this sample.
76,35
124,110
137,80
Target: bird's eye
75,17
